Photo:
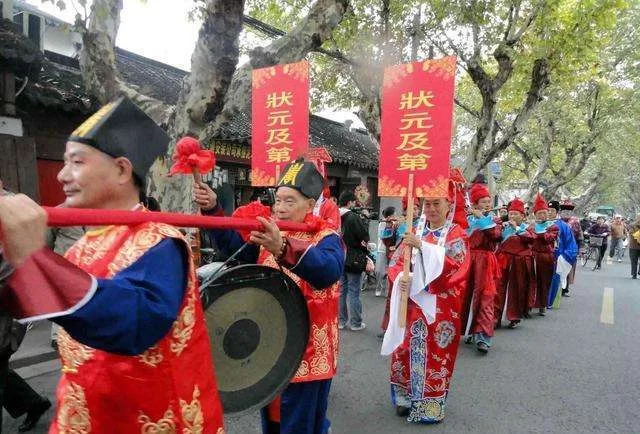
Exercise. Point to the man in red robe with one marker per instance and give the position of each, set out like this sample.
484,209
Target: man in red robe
543,247
134,348
424,357
484,236
516,267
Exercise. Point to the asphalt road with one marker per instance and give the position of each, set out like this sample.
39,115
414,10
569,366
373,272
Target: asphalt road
566,372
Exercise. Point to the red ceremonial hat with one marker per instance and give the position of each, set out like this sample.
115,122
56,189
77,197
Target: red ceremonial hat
540,204
477,192
516,205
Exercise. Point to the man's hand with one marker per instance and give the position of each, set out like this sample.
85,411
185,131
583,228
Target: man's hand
513,224
270,238
404,284
412,240
204,196
22,224
477,213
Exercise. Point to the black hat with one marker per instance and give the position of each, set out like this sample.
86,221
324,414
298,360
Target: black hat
121,129
304,177
554,204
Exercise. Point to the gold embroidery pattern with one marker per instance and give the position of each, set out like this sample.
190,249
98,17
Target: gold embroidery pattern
320,361
183,326
303,369
133,248
152,357
90,248
73,415
72,353
192,414
166,424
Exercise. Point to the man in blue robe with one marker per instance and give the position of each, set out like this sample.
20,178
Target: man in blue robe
566,253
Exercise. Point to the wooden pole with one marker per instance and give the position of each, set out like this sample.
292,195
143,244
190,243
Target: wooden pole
195,240
404,294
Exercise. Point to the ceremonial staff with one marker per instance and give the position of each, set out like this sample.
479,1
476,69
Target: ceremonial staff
59,217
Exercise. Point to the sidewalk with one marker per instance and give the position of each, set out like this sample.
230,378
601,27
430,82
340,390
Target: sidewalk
36,347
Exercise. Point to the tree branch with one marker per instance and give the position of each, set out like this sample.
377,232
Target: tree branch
213,63
539,82
466,108
307,36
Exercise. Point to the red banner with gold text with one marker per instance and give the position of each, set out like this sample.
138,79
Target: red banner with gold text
417,117
279,119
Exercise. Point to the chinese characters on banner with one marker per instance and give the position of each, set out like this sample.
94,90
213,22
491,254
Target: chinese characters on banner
417,115
279,119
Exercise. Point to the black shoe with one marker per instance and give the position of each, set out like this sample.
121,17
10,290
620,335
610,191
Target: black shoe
380,335
402,411
634,277
566,294
513,324
483,348
541,311
34,415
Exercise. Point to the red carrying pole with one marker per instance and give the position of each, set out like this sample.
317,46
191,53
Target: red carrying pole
61,217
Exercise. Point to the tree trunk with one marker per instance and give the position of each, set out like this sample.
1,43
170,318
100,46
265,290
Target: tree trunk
324,16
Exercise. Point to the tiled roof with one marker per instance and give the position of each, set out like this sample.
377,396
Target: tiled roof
60,86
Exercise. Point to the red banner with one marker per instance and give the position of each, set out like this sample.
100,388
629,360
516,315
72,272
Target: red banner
417,115
279,119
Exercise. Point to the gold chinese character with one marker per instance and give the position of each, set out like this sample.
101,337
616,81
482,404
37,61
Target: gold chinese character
278,136
416,120
413,162
281,118
274,100
413,141
290,175
278,155
409,102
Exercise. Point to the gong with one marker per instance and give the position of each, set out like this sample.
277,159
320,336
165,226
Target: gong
258,326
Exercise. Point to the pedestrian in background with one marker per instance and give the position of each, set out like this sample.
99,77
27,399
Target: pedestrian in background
356,236
386,246
618,235
634,246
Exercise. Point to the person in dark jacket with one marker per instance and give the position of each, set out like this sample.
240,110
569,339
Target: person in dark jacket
356,236
16,396
600,229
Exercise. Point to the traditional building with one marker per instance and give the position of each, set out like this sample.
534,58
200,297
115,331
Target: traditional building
50,104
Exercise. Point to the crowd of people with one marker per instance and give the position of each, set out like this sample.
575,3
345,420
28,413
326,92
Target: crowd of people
134,348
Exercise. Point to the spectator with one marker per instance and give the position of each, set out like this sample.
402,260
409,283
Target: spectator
16,396
634,246
356,237
386,246
618,235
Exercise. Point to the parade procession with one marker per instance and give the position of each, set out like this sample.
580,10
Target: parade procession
225,260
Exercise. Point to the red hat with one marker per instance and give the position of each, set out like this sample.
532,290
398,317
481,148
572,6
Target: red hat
516,205
540,204
477,192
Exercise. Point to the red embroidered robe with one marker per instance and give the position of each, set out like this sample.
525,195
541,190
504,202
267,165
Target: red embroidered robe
421,368
169,388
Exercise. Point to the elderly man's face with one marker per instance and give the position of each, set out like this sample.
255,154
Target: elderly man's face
292,205
89,178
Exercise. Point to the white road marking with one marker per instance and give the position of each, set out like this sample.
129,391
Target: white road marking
606,315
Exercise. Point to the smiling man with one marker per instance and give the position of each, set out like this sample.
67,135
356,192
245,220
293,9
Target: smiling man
135,352
315,261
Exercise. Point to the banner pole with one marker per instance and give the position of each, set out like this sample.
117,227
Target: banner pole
404,294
